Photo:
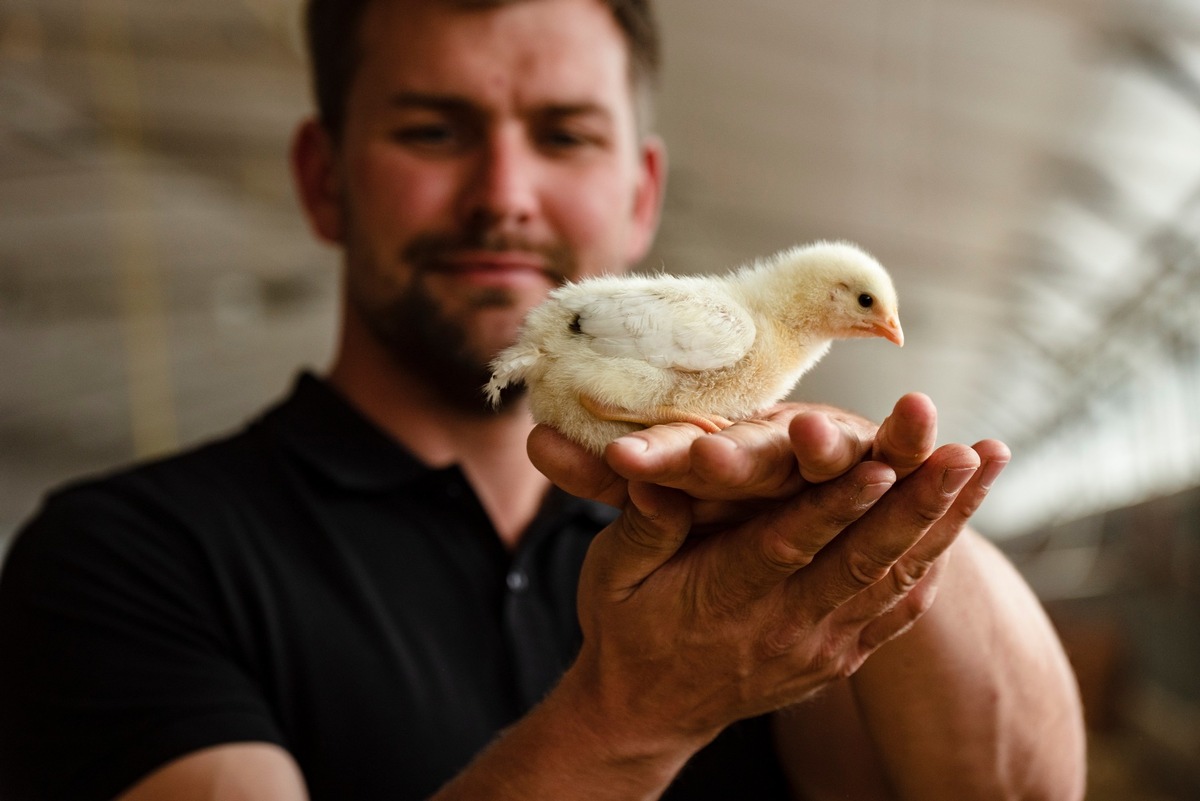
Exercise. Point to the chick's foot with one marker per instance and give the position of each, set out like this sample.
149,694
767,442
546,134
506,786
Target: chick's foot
710,423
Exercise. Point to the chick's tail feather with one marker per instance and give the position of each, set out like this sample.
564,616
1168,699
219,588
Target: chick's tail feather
510,367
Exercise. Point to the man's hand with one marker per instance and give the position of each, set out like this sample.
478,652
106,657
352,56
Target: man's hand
753,566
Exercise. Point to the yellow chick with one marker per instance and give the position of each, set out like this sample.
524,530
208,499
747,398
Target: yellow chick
610,355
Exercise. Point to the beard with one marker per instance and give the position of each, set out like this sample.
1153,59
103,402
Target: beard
446,345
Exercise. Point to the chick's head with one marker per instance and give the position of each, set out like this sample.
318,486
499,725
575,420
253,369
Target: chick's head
834,289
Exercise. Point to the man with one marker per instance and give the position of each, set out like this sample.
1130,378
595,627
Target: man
369,593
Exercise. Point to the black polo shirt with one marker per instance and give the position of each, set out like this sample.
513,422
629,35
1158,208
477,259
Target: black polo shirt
305,582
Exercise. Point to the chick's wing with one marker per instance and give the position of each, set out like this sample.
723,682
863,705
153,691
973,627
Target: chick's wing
678,327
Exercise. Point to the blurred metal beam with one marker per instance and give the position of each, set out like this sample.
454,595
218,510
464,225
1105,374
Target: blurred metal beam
143,307
1094,368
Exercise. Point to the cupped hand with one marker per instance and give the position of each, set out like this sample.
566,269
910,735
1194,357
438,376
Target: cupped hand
731,473
752,566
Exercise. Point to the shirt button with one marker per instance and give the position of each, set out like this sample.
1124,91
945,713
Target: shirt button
517,581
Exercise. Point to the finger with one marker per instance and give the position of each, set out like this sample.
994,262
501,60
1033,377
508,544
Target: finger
659,454
994,457
774,547
904,613
908,589
921,566
869,550
908,435
574,469
651,528
751,459
912,568
826,446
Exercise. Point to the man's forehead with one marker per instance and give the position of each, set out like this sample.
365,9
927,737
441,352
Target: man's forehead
478,47
479,7
483,4
594,16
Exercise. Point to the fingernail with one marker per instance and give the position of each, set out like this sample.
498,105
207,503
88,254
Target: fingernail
873,492
633,443
954,479
991,471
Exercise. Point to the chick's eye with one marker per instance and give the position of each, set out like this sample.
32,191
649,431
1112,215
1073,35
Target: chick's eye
866,301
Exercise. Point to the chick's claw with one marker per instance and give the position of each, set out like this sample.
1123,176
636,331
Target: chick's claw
660,415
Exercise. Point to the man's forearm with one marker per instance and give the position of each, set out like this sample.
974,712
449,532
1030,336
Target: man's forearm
981,682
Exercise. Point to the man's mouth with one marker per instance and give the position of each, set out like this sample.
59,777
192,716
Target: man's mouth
484,261
506,267
490,259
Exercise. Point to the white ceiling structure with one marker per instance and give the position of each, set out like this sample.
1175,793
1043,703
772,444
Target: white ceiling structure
1029,171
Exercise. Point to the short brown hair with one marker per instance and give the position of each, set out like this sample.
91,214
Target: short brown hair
332,28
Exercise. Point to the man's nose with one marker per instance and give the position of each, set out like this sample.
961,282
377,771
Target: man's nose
502,190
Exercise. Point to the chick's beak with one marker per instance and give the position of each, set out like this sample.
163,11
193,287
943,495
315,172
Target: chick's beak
890,330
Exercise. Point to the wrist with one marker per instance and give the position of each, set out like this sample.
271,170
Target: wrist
571,748
622,737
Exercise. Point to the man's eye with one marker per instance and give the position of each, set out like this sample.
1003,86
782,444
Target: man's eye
563,139
425,135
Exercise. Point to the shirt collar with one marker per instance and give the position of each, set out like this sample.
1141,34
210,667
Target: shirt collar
320,426
334,439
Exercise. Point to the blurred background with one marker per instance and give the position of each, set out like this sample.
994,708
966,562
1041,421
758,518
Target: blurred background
1028,170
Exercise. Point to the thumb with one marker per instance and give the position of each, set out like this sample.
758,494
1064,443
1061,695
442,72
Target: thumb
573,468
653,525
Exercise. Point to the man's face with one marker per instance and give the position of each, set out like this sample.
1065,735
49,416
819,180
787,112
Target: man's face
486,157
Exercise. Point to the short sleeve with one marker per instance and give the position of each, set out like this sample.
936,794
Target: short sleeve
113,659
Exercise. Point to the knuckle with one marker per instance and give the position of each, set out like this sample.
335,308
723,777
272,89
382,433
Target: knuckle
906,574
776,642
783,555
927,515
968,503
840,658
641,535
723,605
920,600
866,568
825,662
837,510
849,664
896,621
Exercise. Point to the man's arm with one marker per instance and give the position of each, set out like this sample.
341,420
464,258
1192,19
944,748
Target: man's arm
981,681
233,772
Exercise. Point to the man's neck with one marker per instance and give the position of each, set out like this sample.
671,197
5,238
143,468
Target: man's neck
489,448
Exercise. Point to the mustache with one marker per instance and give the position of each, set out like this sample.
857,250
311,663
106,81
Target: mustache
428,251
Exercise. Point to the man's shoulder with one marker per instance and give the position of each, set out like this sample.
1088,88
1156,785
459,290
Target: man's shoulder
199,475
202,492
146,501
232,466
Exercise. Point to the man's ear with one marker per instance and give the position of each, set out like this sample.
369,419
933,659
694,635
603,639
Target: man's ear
648,197
314,171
